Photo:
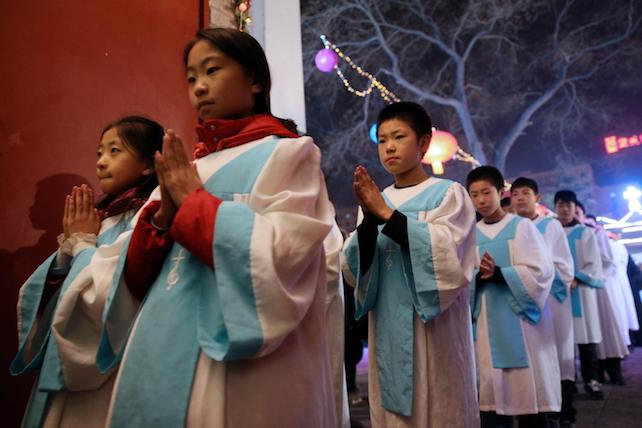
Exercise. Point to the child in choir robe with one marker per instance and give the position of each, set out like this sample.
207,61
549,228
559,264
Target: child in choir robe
60,306
517,362
621,260
588,278
335,326
613,346
525,196
411,260
229,256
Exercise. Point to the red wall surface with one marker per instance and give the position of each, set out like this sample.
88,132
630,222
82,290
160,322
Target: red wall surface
69,67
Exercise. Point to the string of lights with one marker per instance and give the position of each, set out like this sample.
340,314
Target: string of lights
463,156
327,60
374,83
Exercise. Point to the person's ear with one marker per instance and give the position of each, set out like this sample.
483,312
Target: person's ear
538,198
149,169
255,86
424,144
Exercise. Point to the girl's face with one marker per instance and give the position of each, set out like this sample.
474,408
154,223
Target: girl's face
119,168
485,196
219,87
399,149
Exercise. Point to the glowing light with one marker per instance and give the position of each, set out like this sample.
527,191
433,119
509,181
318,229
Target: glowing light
373,82
388,96
443,147
437,167
373,133
614,144
631,242
633,194
630,225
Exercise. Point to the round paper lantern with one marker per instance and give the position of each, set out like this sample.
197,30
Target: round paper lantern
326,59
443,147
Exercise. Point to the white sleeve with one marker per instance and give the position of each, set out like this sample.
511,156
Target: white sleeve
560,252
452,231
531,263
589,266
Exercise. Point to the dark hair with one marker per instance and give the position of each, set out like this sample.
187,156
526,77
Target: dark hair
505,202
145,137
565,196
579,204
486,173
244,49
412,113
525,182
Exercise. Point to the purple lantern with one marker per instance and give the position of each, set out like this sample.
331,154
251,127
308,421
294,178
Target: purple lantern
326,59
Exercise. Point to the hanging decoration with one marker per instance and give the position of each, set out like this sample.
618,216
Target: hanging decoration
446,147
443,147
326,60
242,13
373,133
373,82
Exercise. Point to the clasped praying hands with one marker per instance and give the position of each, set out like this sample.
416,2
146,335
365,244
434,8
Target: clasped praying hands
79,215
369,196
177,177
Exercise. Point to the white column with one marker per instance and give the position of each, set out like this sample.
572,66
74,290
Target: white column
276,24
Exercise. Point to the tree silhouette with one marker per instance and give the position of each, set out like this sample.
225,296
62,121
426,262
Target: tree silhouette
488,70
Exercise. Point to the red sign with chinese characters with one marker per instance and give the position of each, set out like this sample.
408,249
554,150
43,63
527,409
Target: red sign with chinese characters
614,144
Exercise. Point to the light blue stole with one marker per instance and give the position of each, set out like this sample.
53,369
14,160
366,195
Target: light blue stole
400,283
583,279
183,313
505,303
47,359
558,290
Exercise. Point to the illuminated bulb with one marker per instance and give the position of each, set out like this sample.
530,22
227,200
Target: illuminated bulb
437,167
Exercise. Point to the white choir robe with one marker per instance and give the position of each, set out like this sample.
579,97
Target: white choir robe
614,333
588,270
335,323
536,388
560,252
621,260
243,344
443,373
70,390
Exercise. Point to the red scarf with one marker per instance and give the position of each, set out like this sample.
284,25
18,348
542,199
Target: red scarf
220,134
126,201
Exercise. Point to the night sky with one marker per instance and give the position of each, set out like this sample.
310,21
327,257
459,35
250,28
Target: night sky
611,99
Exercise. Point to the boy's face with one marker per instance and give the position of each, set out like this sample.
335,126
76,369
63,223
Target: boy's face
524,200
565,211
580,215
485,196
399,148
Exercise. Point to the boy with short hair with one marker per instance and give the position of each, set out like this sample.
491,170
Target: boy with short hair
525,195
588,278
515,347
411,261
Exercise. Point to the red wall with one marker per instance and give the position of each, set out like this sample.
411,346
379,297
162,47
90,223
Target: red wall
68,68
